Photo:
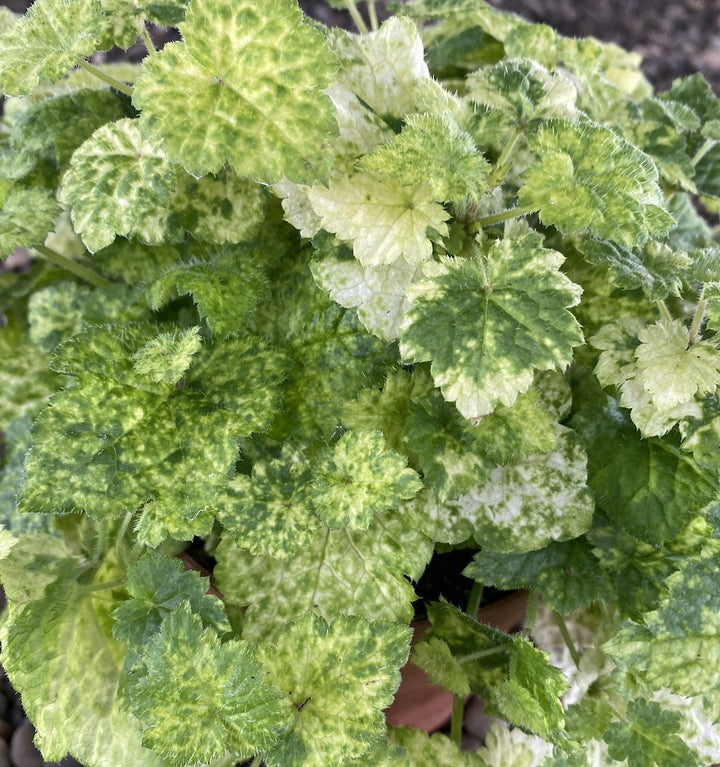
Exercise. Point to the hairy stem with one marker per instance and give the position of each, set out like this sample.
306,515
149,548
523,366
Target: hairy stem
497,174
257,761
474,599
708,144
148,40
356,17
662,306
533,599
105,77
372,13
698,317
574,654
74,267
505,215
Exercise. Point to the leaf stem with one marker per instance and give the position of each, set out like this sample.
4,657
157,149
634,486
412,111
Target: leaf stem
356,17
456,722
662,306
698,317
708,144
105,77
497,174
574,654
372,13
74,267
533,599
120,535
474,599
257,761
148,40
505,215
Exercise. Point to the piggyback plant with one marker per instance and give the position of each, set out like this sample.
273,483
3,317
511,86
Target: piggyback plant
322,303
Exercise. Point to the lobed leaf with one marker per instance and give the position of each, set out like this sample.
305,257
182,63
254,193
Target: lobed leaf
436,750
337,678
244,89
17,229
486,323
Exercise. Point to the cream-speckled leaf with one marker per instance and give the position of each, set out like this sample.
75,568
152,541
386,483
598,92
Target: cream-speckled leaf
383,219
432,149
116,183
118,440
587,178
525,90
297,208
346,571
381,67
378,292
17,228
436,750
219,209
243,88
359,477
59,654
527,505
336,678
226,681
487,323
271,512
48,41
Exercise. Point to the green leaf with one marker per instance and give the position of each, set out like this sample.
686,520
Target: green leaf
345,571
17,229
382,219
135,442
645,486
525,90
701,433
501,324
59,654
436,750
647,736
337,678
119,183
359,477
272,511
67,121
516,680
241,712
226,288
587,178
432,149
525,506
381,67
158,585
255,102
566,574
164,358
48,41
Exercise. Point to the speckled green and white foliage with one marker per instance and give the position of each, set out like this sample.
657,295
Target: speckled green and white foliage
326,304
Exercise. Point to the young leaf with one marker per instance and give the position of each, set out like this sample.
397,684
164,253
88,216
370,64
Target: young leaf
588,178
432,149
46,42
185,669
342,571
359,477
119,183
436,750
54,639
337,679
254,102
383,219
17,229
647,736
486,325
164,358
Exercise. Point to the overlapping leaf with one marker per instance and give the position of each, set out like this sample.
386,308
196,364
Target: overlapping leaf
383,219
432,149
17,228
48,41
515,679
119,440
243,88
486,325
241,713
436,750
346,571
587,178
58,651
337,679
119,183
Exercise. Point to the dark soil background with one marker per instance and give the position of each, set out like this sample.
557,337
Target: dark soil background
674,37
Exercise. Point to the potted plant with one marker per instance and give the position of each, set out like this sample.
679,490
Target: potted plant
312,306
